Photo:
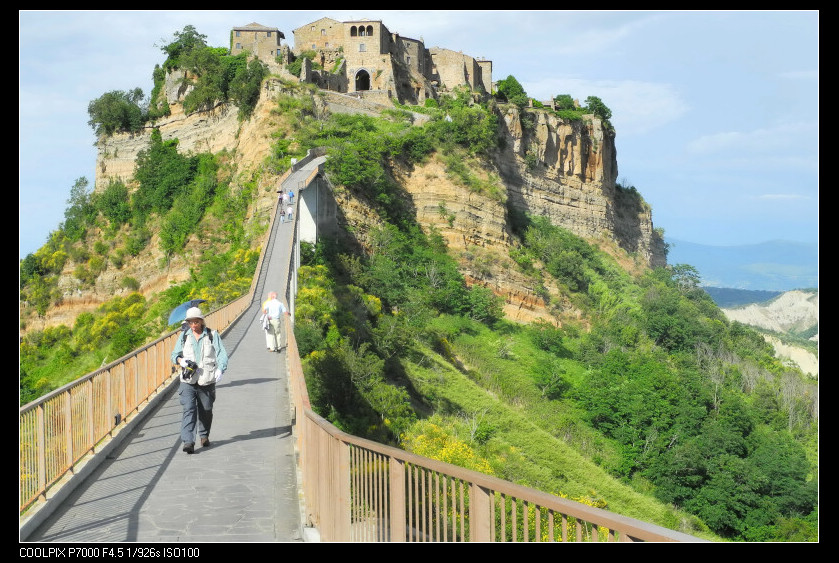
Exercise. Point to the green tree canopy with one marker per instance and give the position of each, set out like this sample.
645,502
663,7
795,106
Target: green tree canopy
564,101
185,41
510,90
81,210
114,203
596,106
116,111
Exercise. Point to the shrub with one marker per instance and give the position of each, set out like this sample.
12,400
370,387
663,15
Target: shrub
114,203
130,283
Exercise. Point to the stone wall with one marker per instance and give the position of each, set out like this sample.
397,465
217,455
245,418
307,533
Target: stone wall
452,69
324,33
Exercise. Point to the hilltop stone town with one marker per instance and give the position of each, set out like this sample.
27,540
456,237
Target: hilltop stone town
365,59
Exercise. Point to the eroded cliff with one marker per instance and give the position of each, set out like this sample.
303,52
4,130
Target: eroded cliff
549,167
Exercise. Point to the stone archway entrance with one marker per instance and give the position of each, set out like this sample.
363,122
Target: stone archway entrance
362,80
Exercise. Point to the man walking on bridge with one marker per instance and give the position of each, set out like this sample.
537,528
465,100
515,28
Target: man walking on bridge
203,359
274,309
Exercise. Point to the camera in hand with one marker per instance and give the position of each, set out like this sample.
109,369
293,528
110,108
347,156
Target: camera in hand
189,370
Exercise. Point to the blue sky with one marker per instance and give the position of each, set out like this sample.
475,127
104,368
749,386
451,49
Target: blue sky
716,112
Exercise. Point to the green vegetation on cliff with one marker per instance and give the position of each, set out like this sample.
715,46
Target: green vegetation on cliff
661,395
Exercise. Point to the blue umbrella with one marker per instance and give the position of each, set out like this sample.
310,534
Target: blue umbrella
179,313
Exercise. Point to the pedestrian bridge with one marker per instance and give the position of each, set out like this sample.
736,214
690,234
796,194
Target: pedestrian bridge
101,459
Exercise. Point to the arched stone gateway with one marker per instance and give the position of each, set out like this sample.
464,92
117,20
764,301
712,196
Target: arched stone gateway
362,80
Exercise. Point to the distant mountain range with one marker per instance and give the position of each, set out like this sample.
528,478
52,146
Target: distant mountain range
776,265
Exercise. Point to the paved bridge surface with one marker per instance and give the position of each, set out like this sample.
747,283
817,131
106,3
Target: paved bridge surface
242,488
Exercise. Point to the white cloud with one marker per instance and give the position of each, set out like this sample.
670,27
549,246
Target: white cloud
785,136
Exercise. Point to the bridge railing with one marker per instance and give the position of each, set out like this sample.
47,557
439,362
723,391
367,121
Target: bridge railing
64,427
356,490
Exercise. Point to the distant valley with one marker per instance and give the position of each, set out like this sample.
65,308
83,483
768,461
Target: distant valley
770,266
772,286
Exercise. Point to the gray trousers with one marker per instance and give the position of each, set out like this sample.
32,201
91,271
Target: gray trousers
197,405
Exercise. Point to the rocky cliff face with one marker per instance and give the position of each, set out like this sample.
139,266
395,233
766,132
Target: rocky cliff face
567,171
572,183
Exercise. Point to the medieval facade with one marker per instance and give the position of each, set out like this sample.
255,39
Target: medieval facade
364,58
261,41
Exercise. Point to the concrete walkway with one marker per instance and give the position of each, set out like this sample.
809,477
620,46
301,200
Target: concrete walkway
243,488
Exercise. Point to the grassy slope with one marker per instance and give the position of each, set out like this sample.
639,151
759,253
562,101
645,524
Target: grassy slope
524,447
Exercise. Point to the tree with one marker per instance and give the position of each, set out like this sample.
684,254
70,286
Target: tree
564,101
686,276
80,212
246,85
210,86
116,111
596,106
114,203
510,90
162,173
185,41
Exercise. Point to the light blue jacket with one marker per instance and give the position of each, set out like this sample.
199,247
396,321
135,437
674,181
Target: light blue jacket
209,356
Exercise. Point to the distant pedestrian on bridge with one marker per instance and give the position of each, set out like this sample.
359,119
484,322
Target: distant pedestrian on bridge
274,310
202,357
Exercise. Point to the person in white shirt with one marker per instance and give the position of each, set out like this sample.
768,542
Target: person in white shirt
273,309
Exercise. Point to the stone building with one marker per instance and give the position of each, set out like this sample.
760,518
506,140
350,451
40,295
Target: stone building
261,41
451,69
374,62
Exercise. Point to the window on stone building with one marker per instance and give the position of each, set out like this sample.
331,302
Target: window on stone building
362,47
353,31
323,32
362,32
238,45
269,34
238,34
370,30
